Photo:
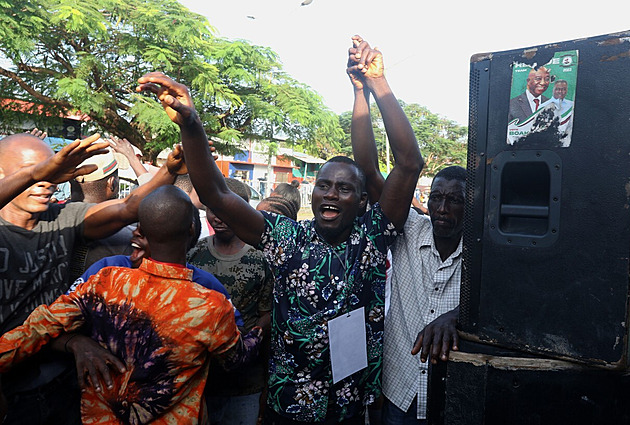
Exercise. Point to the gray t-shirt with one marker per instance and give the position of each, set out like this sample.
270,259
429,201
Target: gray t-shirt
34,268
34,263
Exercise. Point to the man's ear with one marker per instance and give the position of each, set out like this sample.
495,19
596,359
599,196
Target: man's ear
364,199
111,183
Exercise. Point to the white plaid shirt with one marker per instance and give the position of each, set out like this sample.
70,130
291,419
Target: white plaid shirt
423,288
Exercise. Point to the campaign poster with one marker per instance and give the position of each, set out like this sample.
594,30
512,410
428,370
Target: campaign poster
542,99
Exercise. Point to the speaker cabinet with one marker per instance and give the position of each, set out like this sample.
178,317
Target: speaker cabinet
501,388
547,233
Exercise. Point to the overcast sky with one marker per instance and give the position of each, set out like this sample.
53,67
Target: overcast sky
427,47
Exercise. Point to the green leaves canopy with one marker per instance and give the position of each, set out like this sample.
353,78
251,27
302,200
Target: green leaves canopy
442,142
69,55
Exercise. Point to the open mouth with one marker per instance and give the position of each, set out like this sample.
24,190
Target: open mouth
330,212
138,252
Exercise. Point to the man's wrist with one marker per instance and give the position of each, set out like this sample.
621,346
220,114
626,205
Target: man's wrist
192,119
67,347
378,85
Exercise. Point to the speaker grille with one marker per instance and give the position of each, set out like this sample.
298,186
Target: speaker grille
468,235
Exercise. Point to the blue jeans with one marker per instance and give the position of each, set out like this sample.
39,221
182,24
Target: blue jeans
236,410
392,415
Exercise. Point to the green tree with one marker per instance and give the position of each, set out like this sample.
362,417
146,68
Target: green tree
87,56
442,141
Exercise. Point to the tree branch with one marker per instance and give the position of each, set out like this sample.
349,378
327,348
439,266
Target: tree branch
37,95
39,70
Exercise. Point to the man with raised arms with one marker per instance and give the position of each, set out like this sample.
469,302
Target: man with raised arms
326,268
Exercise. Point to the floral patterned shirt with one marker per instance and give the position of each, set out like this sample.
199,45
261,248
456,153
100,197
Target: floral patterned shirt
316,282
157,321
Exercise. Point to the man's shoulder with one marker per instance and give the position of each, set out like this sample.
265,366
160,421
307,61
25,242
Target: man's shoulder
519,98
417,224
111,261
68,212
205,278
283,228
200,248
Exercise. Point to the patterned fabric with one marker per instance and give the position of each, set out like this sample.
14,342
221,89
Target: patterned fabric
316,282
156,321
245,275
205,279
248,279
423,288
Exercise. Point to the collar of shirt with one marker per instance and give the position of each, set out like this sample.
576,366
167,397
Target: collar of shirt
315,237
531,98
166,270
427,241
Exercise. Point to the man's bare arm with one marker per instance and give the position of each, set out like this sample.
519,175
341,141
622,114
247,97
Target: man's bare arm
247,223
106,218
439,337
361,133
399,186
124,147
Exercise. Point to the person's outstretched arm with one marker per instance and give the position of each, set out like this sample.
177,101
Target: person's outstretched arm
106,218
399,186
58,168
361,133
124,147
42,325
247,223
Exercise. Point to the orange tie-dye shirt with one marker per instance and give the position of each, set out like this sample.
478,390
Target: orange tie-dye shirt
157,321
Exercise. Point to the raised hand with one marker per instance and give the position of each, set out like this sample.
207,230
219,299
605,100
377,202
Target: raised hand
122,146
175,162
355,77
175,97
38,133
63,165
364,63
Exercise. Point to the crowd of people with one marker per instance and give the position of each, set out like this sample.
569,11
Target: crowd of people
128,311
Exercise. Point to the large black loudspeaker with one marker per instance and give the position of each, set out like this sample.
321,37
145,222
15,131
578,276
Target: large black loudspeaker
547,236
479,386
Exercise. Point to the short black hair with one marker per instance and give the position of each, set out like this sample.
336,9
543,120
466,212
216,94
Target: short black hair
96,189
238,187
454,172
184,183
166,214
350,161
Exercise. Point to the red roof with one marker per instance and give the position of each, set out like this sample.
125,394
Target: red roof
29,108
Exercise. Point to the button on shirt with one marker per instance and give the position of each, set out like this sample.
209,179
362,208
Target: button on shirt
423,288
316,282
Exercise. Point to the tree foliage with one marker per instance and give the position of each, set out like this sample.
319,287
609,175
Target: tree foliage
88,55
442,142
